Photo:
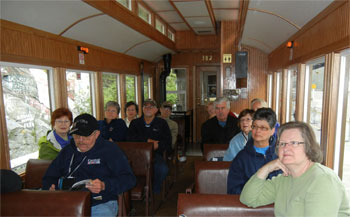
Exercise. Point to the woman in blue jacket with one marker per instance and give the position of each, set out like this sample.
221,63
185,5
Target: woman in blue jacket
260,149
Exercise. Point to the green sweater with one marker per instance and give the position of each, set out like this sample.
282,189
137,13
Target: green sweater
318,192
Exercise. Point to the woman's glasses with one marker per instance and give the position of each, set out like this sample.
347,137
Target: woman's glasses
291,143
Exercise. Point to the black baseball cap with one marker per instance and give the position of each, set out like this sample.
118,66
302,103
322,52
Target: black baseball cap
84,125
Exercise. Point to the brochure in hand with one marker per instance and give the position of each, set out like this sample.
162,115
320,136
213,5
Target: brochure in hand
70,184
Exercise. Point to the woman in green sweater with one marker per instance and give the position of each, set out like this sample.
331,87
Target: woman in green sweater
56,139
306,188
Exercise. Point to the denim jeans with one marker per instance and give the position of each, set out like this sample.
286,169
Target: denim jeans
160,171
109,208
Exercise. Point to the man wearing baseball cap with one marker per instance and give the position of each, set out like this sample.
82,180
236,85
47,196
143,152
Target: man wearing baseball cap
150,128
98,163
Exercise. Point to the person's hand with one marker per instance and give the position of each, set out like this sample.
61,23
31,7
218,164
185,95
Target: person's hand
52,188
96,186
155,143
271,166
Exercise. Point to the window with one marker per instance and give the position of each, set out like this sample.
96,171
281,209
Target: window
278,93
27,109
125,3
110,83
176,89
144,14
291,95
160,26
146,87
269,90
171,35
131,90
316,73
79,90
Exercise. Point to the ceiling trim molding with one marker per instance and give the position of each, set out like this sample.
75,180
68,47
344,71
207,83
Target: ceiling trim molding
135,45
211,14
276,15
243,10
179,13
78,21
260,42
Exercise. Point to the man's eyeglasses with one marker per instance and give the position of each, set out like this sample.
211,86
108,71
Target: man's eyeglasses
254,127
291,143
148,107
62,122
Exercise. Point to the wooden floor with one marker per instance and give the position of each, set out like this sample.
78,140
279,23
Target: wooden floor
167,207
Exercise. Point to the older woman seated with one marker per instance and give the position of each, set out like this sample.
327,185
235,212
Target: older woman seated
56,139
306,187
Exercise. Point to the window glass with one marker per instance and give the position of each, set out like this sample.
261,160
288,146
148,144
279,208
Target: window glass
160,26
269,89
278,93
171,35
176,89
146,87
316,69
27,109
292,93
125,3
79,92
110,83
130,88
144,14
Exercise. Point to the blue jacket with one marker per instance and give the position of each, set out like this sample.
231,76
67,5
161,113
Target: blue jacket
115,130
104,161
158,130
237,143
246,163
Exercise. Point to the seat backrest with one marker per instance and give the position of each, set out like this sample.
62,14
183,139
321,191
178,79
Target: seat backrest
140,154
214,150
46,203
217,205
35,171
211,177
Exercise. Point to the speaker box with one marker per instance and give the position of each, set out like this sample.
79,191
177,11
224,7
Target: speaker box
241,65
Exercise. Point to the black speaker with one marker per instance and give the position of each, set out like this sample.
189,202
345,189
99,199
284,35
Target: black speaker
241,65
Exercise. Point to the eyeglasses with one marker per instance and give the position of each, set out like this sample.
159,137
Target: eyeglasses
148,107
254,127
112,111
291,143
245,119
62,122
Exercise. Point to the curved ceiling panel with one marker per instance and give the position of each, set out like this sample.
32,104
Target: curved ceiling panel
106,32
151,51
50,15
269,29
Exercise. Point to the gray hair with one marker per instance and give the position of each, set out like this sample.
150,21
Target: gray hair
266,114
312,148
262,102
220,100
113,104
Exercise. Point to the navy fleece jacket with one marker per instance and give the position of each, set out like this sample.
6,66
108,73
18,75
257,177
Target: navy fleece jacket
246,163
104,161
115,130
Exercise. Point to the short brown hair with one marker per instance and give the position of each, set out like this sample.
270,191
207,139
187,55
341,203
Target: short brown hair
312,148
60,112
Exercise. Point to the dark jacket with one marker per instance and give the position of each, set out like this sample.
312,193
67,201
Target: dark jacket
213,133
158,130
246,163
104,161
115,130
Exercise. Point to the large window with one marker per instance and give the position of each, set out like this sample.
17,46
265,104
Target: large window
291,94
316,77
176,89
131,89
79,89
269,90
146,87
27,108
110,83
144,14
278,93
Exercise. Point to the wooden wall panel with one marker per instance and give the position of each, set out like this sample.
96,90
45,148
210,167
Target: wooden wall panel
187,40
327,32
26,45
